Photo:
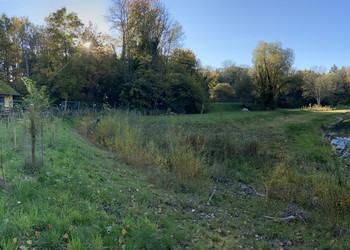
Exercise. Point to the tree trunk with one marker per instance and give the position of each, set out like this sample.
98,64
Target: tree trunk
318,100
65,104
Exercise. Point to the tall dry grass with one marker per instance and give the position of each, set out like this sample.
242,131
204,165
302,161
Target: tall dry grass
319,190
169,150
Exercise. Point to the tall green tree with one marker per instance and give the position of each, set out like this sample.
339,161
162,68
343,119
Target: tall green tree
341,95
271,72
93,65
60,38
10,50
22,34
147,35
188,91
210,78
118,16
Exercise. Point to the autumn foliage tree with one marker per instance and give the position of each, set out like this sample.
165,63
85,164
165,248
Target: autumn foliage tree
61,35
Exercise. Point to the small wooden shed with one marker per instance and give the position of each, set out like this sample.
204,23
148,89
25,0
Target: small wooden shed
6,96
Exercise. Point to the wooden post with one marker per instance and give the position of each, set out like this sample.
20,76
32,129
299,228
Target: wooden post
1,164
15,137
32,132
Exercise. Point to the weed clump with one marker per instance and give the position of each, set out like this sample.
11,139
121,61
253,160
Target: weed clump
317,190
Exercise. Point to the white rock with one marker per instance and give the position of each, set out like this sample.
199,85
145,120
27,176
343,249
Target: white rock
341,142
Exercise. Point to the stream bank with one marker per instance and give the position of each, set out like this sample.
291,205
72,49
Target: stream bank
338,133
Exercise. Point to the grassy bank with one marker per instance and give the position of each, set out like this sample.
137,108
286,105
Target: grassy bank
250,170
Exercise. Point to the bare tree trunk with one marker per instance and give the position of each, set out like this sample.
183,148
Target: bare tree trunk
318,100
65,103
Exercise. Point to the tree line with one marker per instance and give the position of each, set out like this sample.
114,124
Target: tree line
144,66
273,82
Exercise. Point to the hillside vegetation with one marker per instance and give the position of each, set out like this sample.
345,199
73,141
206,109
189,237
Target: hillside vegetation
222,180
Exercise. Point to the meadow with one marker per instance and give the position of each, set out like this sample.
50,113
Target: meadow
222,180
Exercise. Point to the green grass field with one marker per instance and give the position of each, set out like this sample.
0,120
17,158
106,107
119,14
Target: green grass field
256,168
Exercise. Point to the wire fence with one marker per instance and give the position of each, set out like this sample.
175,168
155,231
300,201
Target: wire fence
16,134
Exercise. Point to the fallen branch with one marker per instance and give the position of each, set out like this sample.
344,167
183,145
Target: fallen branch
302,218
211,196
259,194
288,218
249,190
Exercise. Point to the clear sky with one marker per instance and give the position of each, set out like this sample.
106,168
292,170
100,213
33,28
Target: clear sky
218,30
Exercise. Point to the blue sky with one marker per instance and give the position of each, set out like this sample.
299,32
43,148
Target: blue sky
317,30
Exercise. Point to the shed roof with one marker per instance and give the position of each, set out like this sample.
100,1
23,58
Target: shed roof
6,89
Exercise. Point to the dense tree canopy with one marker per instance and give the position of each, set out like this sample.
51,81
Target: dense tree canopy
156,74
142,68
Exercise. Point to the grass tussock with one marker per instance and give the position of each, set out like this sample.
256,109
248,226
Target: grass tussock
316,107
